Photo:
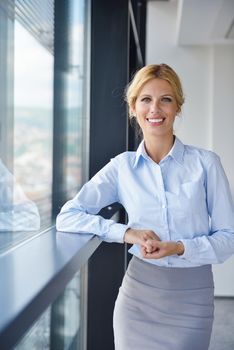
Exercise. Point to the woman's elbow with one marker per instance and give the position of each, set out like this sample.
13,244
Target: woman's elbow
60,225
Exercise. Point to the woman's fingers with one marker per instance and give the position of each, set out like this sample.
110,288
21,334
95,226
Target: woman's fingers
139,236
154,250
157,249
148,234
149,246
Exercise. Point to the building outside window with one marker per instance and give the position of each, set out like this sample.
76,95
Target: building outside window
43,118
44,71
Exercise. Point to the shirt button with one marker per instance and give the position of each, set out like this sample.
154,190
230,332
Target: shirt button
164,206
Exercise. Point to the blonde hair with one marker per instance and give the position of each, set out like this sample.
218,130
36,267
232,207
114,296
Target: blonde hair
149,72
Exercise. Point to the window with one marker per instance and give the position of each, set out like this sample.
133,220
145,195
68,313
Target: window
59,327
43,114
33,123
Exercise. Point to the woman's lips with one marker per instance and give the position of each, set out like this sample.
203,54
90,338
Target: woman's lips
155,121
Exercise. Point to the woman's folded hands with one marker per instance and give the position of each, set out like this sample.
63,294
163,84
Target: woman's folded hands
151,245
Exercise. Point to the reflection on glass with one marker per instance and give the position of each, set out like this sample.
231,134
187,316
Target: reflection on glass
38,164
65,317
74,97
42,111
69,101
58,327
33,120
17,211
38,337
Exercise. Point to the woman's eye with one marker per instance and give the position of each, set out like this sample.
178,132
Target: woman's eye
146,99
166,99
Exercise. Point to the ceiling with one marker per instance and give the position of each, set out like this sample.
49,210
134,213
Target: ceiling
205,22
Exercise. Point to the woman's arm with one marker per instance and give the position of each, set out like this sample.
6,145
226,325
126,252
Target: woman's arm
219,244
79,214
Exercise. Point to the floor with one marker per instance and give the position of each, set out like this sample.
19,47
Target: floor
223,329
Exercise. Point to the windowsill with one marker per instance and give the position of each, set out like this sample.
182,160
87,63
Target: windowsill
13,239
34,274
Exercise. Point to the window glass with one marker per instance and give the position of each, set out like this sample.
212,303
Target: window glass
33,121
59,327
43,115
75,108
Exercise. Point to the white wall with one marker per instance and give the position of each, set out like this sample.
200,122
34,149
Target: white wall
207,74
192,65
223,140
223,107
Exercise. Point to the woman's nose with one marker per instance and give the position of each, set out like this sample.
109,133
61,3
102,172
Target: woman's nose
154,107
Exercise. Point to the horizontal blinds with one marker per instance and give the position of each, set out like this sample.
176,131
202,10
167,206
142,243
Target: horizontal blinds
36,16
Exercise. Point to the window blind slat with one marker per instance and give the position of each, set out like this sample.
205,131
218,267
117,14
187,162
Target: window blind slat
38,18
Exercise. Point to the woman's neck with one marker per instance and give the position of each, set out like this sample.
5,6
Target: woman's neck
158,147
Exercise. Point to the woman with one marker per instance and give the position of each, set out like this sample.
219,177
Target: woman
181,220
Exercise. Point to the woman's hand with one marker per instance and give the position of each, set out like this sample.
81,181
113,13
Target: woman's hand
133,236
154,249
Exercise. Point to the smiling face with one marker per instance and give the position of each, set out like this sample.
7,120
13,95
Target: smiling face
155,108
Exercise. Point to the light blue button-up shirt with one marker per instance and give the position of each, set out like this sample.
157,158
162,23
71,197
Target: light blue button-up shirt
185,197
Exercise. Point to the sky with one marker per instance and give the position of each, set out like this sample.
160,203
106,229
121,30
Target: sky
33,69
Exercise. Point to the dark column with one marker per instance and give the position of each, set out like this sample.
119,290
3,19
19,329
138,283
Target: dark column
108,137
61,56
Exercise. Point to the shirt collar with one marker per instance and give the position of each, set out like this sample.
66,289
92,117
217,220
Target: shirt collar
176,152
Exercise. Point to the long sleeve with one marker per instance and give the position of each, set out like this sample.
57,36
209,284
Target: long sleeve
219,244
79,214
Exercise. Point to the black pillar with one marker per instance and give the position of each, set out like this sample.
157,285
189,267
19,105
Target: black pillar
108,137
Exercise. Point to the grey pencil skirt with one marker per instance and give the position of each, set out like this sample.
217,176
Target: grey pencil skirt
161,308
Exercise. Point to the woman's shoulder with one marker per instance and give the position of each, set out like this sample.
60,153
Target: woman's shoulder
207,155
125,157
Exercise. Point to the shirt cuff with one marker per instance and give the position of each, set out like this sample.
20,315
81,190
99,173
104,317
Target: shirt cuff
116,233
187,249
